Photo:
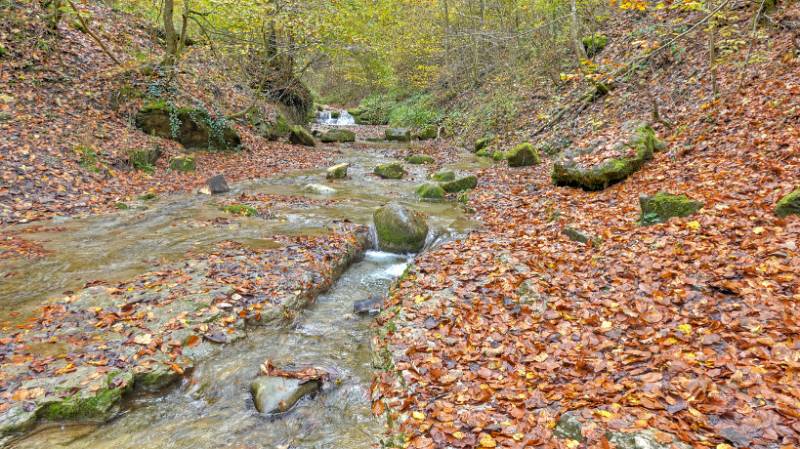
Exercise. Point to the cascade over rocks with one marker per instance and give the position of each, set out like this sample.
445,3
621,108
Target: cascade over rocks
193,128
400,229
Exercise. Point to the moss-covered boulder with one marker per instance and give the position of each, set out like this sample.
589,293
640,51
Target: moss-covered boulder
483,143
155,378
419,159
430,191
392,170
523,155
88,405
789,204
443,176
594,44
144,159
612,171
338,135
461,184
299,135
338,171
662,206
427,133
400,229
398,134
271,129
498,155
193,128
183,163
484,152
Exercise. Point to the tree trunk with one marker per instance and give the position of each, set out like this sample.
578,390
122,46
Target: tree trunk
171,56
580,53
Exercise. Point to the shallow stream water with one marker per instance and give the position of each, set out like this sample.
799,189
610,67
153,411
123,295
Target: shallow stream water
212,408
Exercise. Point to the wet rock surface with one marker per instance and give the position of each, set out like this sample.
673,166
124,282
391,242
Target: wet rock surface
400,229
272,394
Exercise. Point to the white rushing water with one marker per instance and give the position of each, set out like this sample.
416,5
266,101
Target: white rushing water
331,118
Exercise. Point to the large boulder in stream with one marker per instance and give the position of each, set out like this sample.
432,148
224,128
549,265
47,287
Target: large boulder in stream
400,229
338,135
195,129
392,170
338,171
216,185
273,394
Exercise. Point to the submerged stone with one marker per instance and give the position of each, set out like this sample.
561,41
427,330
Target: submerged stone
443,176
400,229
371,306
217,184
398,134
338,171
193,128
662,206
430,191
789,204
319,189
338,135
279,394
523,155
392,170
465,183
298,135
420,159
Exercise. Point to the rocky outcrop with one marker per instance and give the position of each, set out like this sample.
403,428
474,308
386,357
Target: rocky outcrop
193,128
398,134
523,155
789,204
338,135
662,206
298,135
400,229
392,170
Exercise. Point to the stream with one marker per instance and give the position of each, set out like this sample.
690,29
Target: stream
212,407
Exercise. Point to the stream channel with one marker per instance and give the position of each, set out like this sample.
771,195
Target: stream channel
212,407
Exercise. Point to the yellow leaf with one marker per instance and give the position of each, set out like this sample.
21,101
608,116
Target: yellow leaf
693,225
758,230
572,444
604,413
724,446
487,441
685,328
418,415
518,436
458,434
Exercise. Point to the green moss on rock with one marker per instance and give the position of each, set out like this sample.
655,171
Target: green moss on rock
193,128
400,229
398,134
183,163
662,206
789,204
241,209
392,170
430,191
338,171
299,135
427,133
97,405
465,183
594,44
523,155
443,176
420,159
483,142
338,135
144,160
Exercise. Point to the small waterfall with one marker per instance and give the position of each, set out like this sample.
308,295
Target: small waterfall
335,118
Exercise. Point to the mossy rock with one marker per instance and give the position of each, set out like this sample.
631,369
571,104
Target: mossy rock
338,171
523,155
400,229
243,210
183,163
338,135
427,133
430,191
144,160
419,159
611,171
156,378
465,183
443,176
270,129
594,44
789,204
398,135
99,405
499,155
662,206
392,170
484,152
299,135
193,128
482,143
